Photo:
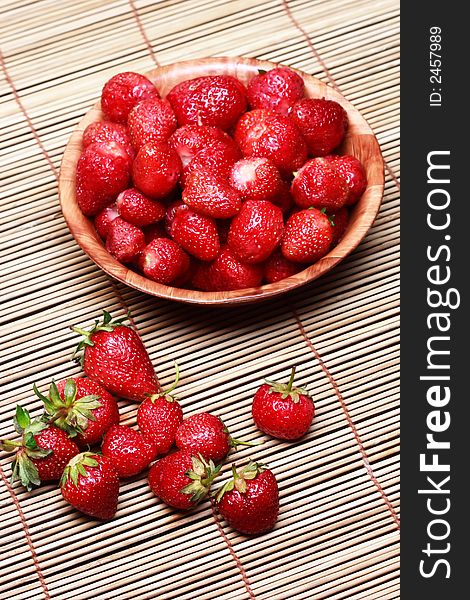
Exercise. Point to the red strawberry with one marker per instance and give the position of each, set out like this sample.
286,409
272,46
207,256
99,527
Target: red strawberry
152,120
249,502
103,171
129,450
196,233
190,139
223,226
156,170
217,157
277,90
216,100
209,194
277,267
308,236
104,219
226,273
163,261
107,131
284,199
323,124
122,92
283,411
139,210
320,185
339,222
82,408
42,453
268,134
125,241
90,483
256,179
354,173
115,357
159,416
256,231
156,230
182,480
170,214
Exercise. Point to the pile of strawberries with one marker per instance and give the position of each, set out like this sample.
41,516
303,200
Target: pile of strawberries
218,186
79,441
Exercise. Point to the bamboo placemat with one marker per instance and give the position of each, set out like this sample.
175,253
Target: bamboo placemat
338,531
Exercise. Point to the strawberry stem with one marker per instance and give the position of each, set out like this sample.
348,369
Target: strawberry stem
291,380
175,383
234,443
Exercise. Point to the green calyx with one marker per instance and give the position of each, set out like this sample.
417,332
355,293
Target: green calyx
234,442
167,393
23,468
77,466
69,413
287,390
202,475
331,218
106,324
239,479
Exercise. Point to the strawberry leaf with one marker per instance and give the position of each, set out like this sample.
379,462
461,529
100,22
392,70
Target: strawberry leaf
21,419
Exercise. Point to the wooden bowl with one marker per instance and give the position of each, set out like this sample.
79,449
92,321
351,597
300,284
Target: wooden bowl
360,141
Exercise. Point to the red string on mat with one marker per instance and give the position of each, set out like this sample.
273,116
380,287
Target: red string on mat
138,20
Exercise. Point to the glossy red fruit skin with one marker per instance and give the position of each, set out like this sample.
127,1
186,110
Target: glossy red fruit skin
170,214
210,195
159,420
282,418
167,478
163,261
215,100
323,124
119,361
104,219
264,133
226,273
277,267
308,236
195,233
129,450
156,230
156,170
151,120
256,179
256,231
255,511
96,494
218,157
122,92
106,415
134,207
320,185
190,139
51,467
277,90
107,131
341,221
124,241
204,434
354,173
103,172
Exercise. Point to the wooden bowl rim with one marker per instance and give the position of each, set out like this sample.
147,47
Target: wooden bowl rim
85,235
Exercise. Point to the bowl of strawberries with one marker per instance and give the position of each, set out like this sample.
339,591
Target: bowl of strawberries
220,180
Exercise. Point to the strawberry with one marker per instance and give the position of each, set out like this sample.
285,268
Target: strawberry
216,100
129,450
223,226
104,219
320,185
152,120
163,261
308,236
256,231
103,171
90,483
156,170
115,357
42,453
182,480
209,194
107,131
277,90
277,267
283,411
122,92
339,222
82,408
226,273
256,179
159,416
218,157
170,214
196,233
284,199
134,207
323,124
249,502
156,230
206,434
190,139
125,241
264,133
354,173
